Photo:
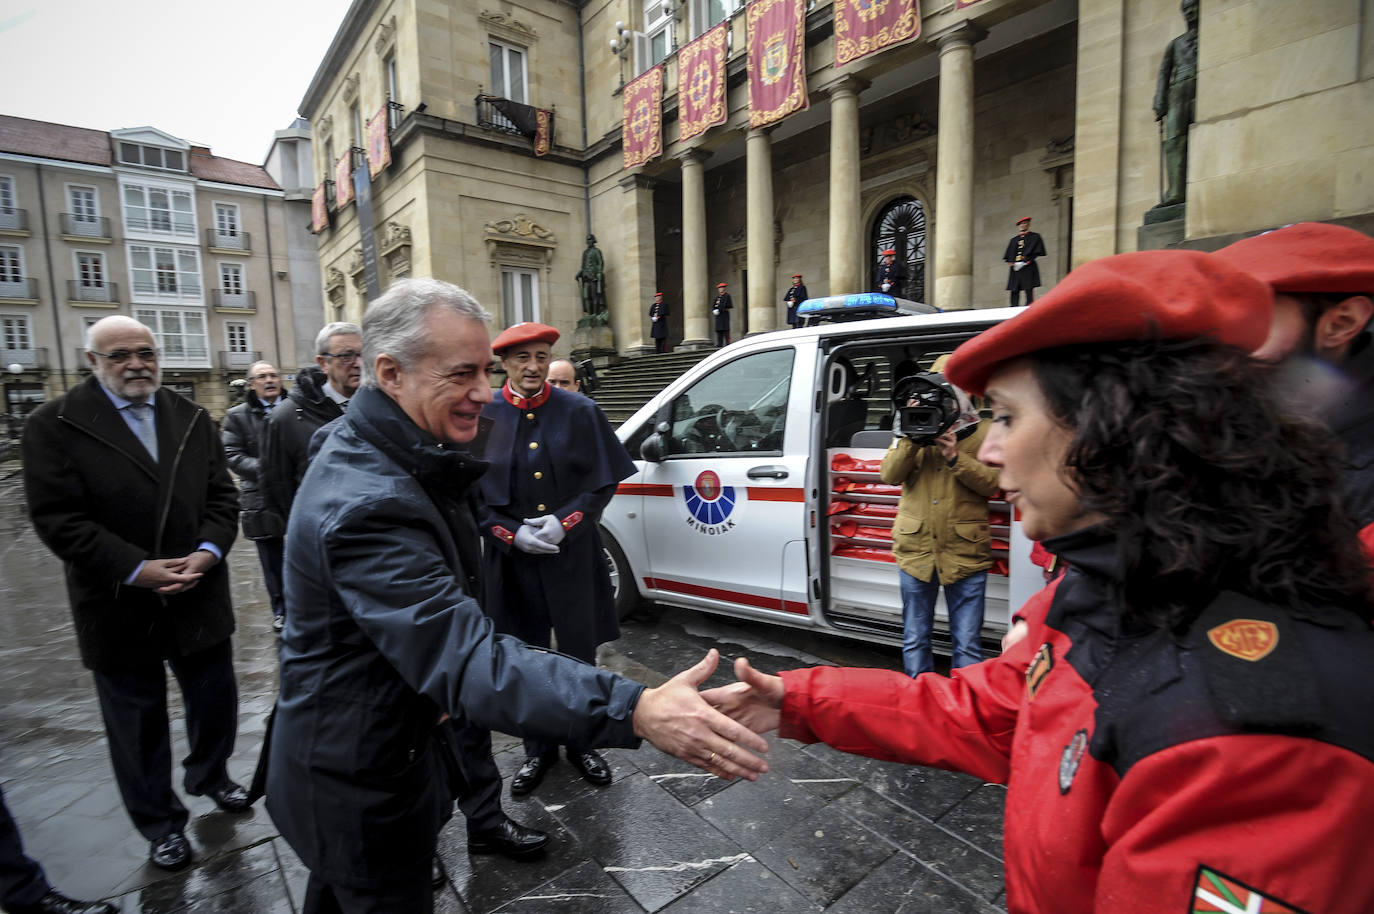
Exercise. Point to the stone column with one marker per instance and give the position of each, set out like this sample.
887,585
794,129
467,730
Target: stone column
846,230
634,280
954,168
697,332
763,310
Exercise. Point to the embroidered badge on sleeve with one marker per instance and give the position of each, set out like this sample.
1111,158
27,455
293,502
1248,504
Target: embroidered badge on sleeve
1247,639
1216,893
1039,668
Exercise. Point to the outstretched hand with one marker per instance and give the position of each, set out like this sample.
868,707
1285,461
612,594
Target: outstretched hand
755,701
676,719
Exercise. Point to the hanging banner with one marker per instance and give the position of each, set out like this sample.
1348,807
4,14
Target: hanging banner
367,233
865,26
319,210
343,180
543,131
378,144
643,128
776,42
701,83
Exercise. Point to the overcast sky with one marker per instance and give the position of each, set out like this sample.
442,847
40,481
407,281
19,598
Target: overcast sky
222,73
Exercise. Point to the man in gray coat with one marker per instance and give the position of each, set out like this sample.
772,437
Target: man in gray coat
244,428
386,640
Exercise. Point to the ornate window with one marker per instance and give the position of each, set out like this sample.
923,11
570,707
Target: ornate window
901,226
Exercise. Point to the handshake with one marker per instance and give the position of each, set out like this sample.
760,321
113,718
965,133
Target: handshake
540,535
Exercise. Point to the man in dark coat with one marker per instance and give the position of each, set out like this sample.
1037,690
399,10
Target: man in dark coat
721,307
891,276
1022,250
319,395
385,638
658,323
127,484
244,427
794,297
555,463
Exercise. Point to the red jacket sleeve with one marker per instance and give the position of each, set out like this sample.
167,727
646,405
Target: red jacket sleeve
1284,817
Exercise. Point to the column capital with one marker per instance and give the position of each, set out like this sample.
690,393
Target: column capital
694,154
637,182
960,35
766,132
847,84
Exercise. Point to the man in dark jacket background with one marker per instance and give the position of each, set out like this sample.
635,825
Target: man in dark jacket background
386,639
127,484
319,395
244,428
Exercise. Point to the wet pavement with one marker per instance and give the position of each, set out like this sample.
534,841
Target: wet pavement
822,831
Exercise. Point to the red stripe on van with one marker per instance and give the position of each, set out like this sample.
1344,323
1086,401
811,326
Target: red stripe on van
634,488
768,493
730,596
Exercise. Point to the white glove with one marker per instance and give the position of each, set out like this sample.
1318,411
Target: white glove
548,528
715,310
527,540
886,286
1018,265
655,317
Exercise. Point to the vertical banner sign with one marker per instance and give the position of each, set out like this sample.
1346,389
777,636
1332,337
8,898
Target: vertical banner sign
701,83
362,187
776,40
343,180
378,144
543,131
319,210
865,26
643,128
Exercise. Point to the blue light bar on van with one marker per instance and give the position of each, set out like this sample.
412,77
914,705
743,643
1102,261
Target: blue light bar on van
857,304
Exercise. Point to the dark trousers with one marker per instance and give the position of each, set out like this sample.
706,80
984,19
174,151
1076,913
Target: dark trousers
722,337
322,898
134,704
480,801
270,558
660,344
21,879
1015,293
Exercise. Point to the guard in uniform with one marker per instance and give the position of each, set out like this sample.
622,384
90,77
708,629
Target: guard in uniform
794,297
555,463
658,323
1022,249
721,309
891,275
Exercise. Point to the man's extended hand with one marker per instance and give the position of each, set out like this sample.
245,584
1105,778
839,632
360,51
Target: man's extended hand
755,701
548,528
676,719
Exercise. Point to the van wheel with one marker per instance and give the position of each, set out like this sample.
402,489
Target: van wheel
623,587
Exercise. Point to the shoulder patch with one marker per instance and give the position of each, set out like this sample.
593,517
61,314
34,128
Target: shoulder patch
1216,893
1247,639
1039,668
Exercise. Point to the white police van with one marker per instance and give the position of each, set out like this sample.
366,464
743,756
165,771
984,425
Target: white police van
756,492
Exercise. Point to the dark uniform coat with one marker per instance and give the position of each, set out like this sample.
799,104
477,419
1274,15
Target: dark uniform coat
722,305
1025,247
551,454
658,329
794,297
286,445
244,428
893,273
100,502
384,636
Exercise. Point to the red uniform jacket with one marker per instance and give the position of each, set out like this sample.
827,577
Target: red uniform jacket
1145,773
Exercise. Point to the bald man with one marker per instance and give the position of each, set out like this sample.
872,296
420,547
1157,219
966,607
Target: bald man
563,375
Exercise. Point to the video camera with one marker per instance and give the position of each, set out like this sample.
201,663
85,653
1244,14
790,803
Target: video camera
936,411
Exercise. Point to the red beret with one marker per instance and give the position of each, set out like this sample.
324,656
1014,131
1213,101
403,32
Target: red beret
1174,295
889,251
1307,257
524,332
1023,219
796,276
657,294
720,285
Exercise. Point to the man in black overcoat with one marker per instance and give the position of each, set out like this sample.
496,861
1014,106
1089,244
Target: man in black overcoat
796,294
720,307
127,484
1022,250
245,426
658,322
890,278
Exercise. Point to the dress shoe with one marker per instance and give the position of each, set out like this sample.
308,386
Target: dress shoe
230,797
531,774
509,839
170,852
436,873
278,623
56,903
591,766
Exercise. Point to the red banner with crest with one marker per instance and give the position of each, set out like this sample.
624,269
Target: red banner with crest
776,41
865,26
701,83
643,127
319,210
378,143
343,180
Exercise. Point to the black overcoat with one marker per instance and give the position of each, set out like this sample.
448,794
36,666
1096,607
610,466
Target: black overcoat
245,427
1029,246
100,502
658,329
722,304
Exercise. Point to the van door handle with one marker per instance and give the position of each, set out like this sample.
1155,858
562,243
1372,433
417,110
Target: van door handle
773,472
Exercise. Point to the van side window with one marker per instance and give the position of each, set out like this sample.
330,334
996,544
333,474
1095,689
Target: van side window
738,408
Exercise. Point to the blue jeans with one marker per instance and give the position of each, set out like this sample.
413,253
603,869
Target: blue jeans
963,599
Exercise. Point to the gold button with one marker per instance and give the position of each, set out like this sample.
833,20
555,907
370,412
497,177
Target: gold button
529,415
534,445
538,475
540,508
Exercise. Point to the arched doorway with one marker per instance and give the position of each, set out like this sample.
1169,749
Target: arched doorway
901,226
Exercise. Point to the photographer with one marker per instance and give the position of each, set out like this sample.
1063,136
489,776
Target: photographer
940,536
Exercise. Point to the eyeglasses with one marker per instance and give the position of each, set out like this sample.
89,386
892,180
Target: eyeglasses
120,356
348,358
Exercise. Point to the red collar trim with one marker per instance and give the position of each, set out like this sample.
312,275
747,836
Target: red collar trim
519,402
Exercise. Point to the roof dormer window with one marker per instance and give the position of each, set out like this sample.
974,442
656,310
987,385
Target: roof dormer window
152,156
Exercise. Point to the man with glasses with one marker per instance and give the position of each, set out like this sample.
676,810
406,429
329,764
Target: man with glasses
319,395
127,484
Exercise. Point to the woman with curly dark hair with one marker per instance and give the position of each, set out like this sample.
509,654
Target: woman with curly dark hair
1189,722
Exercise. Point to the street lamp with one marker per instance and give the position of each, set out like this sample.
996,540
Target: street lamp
621,45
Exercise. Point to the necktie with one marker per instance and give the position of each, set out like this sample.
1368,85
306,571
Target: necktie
143,426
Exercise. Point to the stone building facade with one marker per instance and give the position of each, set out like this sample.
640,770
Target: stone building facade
141,223
998,109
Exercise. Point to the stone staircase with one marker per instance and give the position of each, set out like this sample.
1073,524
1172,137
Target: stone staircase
631,383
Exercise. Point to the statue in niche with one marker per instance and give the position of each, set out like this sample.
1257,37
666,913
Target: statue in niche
592,279
1175,94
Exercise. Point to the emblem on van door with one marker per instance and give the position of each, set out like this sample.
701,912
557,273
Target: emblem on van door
709,504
